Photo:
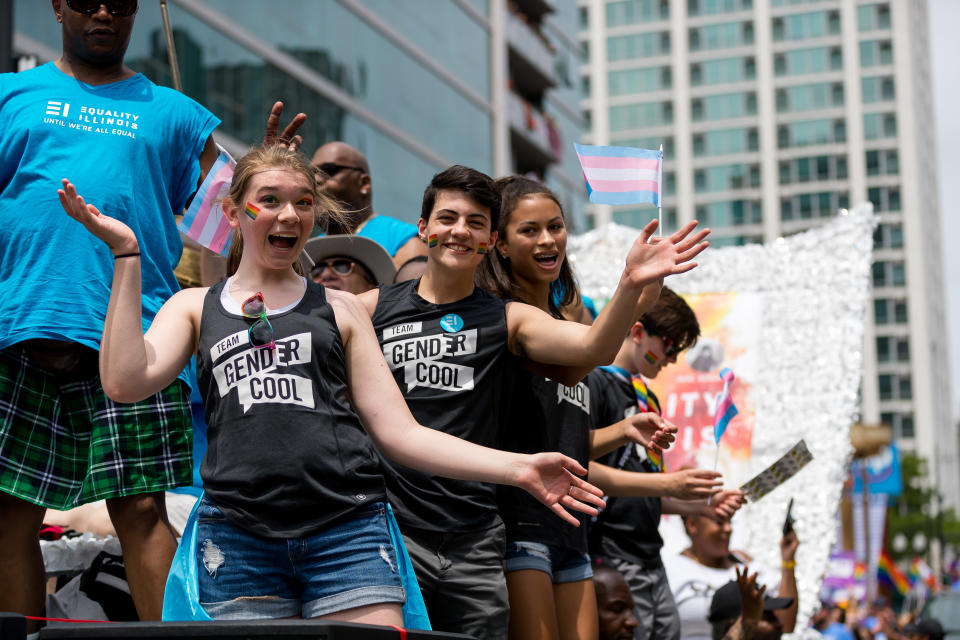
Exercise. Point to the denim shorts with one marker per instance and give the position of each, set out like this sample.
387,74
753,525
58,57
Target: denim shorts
560,563
242,576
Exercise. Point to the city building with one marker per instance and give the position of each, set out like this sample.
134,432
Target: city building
417,85
774,114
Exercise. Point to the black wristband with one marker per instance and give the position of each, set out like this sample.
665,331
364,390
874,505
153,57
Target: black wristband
127,255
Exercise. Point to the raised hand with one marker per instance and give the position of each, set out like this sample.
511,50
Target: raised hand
724,504
788,546
651,259
751,598
118,236
549,477
289,138
693,484
649,429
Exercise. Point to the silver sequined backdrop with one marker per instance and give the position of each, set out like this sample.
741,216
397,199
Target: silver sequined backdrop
815,289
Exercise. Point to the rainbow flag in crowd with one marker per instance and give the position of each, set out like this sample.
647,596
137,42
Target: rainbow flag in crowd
859,571
920,571
203,220
621,175
889,574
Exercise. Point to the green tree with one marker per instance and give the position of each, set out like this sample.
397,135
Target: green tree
915,511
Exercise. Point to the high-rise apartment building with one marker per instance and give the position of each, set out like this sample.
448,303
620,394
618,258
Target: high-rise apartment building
417,85
774,114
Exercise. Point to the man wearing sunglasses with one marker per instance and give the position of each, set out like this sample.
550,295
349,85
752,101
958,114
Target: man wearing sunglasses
625,534
139,150
342,172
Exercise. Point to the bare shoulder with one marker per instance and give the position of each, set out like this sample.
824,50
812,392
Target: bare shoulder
369,299
190,300
348,311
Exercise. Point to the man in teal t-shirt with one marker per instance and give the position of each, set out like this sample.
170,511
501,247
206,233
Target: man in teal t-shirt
343,172
137,151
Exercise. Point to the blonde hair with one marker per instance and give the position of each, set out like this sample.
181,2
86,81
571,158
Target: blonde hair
268,158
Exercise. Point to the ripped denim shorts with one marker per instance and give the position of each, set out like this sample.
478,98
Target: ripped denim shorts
243,576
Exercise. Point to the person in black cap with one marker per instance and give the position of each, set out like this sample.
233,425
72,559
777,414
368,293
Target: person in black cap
740,611
924,629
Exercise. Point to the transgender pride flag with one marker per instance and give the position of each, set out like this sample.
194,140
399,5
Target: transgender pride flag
621,175
203,220
725,411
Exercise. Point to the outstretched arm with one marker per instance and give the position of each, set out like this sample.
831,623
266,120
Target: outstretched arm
132,367
549,477
688,484
644,428
722,506
535,334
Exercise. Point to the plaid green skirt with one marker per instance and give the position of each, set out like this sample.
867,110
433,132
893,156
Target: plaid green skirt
64,443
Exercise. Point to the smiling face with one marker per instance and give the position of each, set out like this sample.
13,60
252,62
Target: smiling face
535,240
97,40
457,231
710,539
275,217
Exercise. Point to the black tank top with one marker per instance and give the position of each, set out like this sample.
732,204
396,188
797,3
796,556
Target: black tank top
453,368
286,453
627,528
545,416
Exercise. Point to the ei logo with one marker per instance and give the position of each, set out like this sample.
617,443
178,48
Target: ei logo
57,108
451,323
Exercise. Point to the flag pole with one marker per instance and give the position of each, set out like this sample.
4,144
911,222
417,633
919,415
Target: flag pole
716,459
660,193
171,48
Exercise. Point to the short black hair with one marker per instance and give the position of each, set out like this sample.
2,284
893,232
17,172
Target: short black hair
477,185
671,317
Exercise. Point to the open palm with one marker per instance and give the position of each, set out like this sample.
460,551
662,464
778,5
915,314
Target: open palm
548,478
651,259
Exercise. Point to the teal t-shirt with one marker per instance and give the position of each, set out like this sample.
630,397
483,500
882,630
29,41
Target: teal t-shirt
132,149
389,232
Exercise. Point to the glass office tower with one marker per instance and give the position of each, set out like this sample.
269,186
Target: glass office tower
414,84
774,114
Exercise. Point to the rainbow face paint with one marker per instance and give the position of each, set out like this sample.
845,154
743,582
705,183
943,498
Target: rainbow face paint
252,211
432,241
650,357
482,248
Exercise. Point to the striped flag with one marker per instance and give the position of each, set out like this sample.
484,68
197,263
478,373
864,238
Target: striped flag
725,411
621,175
203,220
889,573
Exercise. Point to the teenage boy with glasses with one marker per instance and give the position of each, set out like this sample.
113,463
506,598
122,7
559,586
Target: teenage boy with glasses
342,172
451,347
625,534
62,441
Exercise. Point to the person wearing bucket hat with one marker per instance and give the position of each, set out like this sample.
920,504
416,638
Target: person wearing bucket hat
347,263
740,609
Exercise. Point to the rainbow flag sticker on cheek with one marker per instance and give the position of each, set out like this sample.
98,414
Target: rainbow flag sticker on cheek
650,357
432,241
252,211
482,248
